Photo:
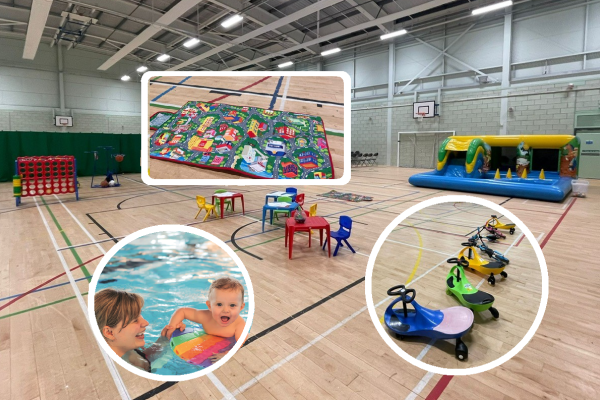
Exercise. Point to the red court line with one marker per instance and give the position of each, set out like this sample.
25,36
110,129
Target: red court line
244,88
444,380
47,282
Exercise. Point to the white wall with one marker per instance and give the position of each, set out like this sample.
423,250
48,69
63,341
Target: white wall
98,100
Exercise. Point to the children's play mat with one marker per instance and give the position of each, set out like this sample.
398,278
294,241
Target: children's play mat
333,194
252,141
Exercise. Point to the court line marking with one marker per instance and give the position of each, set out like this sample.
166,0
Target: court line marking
274,98
121,388
285,90
418,247
219,385
80,225
168,90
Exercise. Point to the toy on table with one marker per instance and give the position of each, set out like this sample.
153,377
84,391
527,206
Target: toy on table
449,323
458,285
227,203
476,263
495,223
496,255
196,346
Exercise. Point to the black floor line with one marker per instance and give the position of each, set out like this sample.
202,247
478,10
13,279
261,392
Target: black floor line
253,338
507,200
238,247
102,228
139,195
302,312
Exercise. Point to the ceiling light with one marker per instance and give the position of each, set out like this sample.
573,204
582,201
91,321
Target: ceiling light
285,64
393,34
328,52
125,78
234,19
191,42
163,57
493,7
143,68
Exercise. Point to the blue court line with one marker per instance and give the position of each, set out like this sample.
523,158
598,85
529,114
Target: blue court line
39,290
168,90
274,98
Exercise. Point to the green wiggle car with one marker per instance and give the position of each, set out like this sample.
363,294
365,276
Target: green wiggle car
458,285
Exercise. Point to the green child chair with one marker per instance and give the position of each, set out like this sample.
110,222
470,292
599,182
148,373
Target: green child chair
282,199
218,200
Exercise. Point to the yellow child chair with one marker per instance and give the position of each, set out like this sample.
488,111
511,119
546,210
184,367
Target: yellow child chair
210,208
312,212
282,199
218,200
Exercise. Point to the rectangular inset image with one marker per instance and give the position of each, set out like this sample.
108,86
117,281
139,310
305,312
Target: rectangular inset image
250,127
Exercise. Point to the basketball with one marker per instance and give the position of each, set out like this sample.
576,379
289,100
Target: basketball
111,183
119,157
104,183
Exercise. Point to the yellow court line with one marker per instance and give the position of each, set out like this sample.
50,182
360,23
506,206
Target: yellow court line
414,270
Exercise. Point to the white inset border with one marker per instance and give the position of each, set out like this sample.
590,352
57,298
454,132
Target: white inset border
245,181
457,199
168,228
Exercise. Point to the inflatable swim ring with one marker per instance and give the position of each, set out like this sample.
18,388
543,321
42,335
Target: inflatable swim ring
196,346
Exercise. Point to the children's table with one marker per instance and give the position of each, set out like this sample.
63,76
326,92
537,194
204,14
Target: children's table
319,223
228,195
281,206
275,195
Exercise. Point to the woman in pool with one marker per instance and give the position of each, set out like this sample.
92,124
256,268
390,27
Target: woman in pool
119,318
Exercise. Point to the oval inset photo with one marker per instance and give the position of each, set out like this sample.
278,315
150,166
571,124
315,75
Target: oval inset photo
171,303
457,286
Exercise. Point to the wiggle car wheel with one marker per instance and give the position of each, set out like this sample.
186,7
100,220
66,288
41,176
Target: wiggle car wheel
504,274
494,312
492,280
461,350
512,230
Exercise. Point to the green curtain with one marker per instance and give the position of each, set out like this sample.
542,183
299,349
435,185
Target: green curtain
27,144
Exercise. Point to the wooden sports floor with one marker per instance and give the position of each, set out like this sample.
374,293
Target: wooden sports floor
319,96
419,247
312,336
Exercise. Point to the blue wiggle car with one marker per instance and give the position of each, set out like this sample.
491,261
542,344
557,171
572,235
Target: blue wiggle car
449,323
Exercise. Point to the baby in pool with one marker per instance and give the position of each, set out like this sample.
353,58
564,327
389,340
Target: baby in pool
119,318
225,302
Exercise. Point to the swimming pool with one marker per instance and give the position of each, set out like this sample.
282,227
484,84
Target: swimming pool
169,270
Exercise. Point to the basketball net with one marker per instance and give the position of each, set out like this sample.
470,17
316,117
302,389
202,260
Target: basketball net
420,117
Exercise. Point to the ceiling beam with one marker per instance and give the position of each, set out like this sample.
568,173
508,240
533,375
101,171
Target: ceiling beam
355,28
177,11
40,9
262,18
257,32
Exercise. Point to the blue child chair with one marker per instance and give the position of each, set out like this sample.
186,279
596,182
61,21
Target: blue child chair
291,190
342,234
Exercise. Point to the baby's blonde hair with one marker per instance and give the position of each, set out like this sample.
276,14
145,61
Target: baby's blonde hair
114,306
226,283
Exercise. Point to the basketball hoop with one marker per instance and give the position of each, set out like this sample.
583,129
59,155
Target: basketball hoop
421,116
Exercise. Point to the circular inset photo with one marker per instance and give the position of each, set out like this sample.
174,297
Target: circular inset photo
171,302
457,285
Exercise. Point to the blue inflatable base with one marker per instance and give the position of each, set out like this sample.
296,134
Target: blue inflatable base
553,188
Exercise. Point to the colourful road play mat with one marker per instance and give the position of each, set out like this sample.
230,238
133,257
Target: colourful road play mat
253,141
333,194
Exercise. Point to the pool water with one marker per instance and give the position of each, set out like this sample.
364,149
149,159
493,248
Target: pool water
169,270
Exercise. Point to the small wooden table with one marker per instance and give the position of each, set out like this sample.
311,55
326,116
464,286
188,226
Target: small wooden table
276,206
319,223
228,195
